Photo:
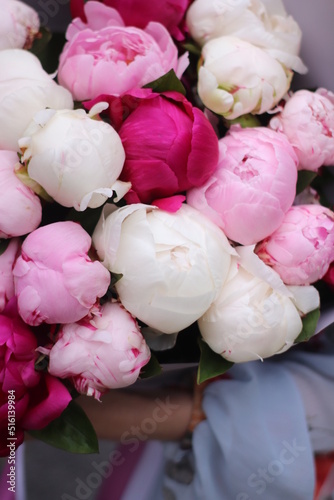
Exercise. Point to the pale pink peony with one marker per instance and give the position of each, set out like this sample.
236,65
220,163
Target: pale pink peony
307,120
106,57
7,261
302,248
55,280
253,186
104,353
20,207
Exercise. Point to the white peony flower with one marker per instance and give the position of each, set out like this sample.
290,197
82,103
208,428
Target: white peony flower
237,77
255,315
265,24
25,89
76,159
172,264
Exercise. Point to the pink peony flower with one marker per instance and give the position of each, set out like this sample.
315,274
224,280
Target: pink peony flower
253,186
7,261
302,248
39,397
163,137
104,353
106,57
20,207
140,12
307,120
55,280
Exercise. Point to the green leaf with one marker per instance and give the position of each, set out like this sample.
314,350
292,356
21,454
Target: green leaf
305,177
72,431
151,369
211,364
88,218
310,322
167,82
245,121
41,42
114,278
4,245
192,48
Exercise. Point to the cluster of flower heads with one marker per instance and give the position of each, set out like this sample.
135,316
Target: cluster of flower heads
197,226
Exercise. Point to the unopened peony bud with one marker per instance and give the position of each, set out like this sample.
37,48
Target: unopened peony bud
55,280
237,77
105,353
307,120
76,159
302,248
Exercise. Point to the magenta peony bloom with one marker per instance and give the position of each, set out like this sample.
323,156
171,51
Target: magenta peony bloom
329,276
307,120
140,12
302,248
20,207
163,137
7,261
253,186
55,280
106,57
104,353
39,397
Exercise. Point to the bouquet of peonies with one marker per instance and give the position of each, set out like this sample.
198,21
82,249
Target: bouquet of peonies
165,183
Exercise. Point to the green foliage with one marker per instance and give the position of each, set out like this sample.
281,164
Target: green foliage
310,321
192,48
245,121
151,369
166,83
72,431
40,44
305,177
88,218
211,364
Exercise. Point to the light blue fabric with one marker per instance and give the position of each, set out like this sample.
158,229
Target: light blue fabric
255,443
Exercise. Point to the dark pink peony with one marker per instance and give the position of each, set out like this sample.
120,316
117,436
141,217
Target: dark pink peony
329,276
140,12
170,146
39,397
